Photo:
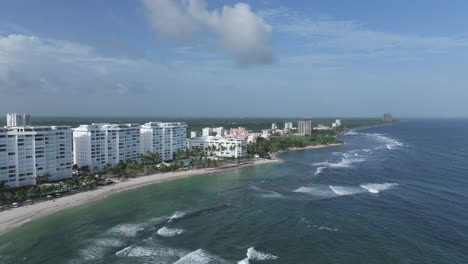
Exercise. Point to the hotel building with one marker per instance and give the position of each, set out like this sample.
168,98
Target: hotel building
163,138
28,152
225,147
96,145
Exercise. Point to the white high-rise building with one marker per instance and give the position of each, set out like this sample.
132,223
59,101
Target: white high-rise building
288,125
18,119
207,131
28,152
220,131
225,147
163,138
274,126
96,145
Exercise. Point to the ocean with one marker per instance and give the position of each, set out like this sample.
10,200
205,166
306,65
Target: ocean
391,194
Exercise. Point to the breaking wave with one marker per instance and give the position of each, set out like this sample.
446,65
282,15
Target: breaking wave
255,255
378,187
169,232
128,230
340,190
199,256
319,170
176,215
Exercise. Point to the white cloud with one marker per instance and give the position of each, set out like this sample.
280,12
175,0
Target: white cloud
32,64
240,32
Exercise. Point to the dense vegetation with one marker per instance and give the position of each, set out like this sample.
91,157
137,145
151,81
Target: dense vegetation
264,148
89,178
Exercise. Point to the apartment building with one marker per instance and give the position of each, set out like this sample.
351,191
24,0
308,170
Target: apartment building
28,152
99,144
163,138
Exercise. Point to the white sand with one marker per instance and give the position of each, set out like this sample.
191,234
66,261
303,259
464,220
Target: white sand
14,217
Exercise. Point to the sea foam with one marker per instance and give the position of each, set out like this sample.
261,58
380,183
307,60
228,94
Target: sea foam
169,232
128,230
340,190
255,255
378,187
199,256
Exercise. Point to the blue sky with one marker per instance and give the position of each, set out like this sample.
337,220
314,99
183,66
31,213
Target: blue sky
230,58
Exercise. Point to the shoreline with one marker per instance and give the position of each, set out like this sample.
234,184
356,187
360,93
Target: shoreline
10,219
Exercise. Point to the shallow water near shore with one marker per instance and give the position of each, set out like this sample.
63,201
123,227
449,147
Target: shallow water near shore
393,194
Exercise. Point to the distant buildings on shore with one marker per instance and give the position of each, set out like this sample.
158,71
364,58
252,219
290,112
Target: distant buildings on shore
18,119
29,154
304,127
387,117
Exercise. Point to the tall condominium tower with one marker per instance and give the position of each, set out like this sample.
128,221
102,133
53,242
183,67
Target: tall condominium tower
163,138
304,127
29,152
96,145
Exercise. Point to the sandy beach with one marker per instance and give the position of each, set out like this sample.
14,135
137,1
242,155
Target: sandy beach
15,217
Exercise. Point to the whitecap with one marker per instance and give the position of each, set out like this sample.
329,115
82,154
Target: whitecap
176,215
378,187
135,251
319,170
129,230
255,255
199,256
327,228
169,232
340,190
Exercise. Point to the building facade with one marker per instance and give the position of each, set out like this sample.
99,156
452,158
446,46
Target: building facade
288,125
28,152
304,127
18,119
224,147
97,145
163,138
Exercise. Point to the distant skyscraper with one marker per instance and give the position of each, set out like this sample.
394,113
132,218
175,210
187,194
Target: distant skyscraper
288,125
273,126
387,117
304,127
18,119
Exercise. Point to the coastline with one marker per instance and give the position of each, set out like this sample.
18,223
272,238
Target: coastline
10,219
16,217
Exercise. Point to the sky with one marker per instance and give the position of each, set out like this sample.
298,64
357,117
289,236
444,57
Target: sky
202,58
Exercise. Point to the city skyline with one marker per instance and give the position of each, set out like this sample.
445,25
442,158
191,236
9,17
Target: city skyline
233,59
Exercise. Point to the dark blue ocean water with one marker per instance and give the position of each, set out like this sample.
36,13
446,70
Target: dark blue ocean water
393,194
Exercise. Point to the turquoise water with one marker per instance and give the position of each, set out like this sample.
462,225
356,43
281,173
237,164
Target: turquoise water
396,194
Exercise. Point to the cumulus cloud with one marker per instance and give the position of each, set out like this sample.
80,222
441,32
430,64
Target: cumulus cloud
240,32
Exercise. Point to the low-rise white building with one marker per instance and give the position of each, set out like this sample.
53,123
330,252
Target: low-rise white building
322,127
194,134
225,147
27,152
101,144
163,138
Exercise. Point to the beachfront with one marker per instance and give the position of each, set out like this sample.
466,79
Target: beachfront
17,216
